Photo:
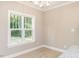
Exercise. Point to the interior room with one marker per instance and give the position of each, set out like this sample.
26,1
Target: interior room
39,29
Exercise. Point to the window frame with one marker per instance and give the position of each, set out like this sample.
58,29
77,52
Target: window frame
23,34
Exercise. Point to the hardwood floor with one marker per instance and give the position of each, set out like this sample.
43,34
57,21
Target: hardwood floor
41,53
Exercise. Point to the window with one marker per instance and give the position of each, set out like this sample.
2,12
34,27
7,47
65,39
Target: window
21,28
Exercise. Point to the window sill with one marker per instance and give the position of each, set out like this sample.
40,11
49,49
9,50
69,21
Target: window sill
14,44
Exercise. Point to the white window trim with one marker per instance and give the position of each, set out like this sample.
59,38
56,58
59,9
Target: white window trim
25,41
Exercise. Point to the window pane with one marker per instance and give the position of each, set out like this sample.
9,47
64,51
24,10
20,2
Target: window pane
28,33
16,33
15,21
28,22
16,36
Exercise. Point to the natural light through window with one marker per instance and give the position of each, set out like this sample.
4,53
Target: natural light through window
21,28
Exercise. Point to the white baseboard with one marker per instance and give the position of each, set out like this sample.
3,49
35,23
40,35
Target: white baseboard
32,49
54,48
22,52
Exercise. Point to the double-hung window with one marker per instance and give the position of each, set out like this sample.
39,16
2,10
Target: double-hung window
21,28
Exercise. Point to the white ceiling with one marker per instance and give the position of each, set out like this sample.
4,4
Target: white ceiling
54,4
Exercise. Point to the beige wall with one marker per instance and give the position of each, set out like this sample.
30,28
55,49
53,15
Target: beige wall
53,27
4,7
58,25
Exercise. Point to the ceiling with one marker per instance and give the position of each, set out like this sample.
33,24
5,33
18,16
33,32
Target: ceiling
54,4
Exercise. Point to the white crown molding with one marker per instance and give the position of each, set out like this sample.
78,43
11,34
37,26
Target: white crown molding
61,5
27,4
47,9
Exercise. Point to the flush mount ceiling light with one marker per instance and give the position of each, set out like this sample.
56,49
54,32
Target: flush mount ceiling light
42,3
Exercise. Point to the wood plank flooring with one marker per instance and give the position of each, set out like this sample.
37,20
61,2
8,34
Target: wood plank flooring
41,53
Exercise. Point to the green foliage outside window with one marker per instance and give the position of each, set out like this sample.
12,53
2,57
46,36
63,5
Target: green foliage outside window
16,33
27,23
16,23
28,33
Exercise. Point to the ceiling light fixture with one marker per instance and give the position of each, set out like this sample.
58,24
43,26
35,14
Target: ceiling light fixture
42,3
